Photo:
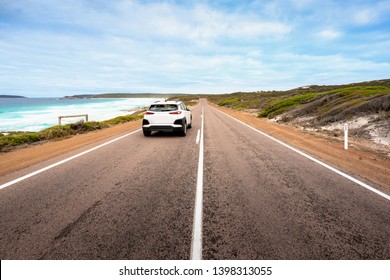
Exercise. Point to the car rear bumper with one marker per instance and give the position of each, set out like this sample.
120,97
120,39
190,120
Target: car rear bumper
163,127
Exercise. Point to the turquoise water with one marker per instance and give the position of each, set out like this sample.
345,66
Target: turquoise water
35,114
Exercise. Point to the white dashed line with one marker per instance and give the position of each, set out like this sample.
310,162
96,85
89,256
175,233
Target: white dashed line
198,137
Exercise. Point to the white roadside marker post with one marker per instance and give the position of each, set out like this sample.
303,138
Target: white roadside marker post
346,136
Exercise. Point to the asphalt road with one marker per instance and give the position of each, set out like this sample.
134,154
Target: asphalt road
135,199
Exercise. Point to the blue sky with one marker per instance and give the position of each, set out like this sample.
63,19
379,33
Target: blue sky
65,47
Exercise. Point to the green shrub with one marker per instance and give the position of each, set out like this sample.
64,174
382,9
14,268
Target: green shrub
55,132
240,107
123,119
229,102
15,140
279,106
363,91
90,126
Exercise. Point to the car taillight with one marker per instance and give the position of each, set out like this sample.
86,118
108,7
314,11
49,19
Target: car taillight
175,113
149,113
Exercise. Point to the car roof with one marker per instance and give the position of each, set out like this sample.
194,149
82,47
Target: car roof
167,102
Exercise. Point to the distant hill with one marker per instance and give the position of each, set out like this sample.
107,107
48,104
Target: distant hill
122,95
322,109
327,103
12,96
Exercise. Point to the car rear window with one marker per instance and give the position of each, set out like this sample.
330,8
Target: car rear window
163,107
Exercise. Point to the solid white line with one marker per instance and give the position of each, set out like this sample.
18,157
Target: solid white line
196,246
198,137
364,185
63,161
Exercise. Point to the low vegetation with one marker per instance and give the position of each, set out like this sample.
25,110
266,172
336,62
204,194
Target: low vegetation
323,110
326,103
57,132
229,102
280,105
344,104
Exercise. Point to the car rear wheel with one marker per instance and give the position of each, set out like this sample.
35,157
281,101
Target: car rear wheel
147,133
184,129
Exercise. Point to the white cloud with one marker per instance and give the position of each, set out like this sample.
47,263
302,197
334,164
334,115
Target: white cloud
160,46
329,34
198,24
371,14
365,16
330,69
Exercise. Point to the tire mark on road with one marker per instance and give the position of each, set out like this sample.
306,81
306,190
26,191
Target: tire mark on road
67,230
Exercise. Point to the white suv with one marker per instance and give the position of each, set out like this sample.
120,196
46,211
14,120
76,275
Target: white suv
167,116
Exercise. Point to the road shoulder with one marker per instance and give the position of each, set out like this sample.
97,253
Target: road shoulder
21,158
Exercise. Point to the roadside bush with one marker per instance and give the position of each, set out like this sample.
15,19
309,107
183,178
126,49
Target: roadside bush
279,106
240,107
229,102
15,140
123,119
55,132
90,126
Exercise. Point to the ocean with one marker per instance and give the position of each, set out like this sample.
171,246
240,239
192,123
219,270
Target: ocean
35,114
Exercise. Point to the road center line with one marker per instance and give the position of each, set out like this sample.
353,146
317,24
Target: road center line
63,161
198,137
196,246
364,185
